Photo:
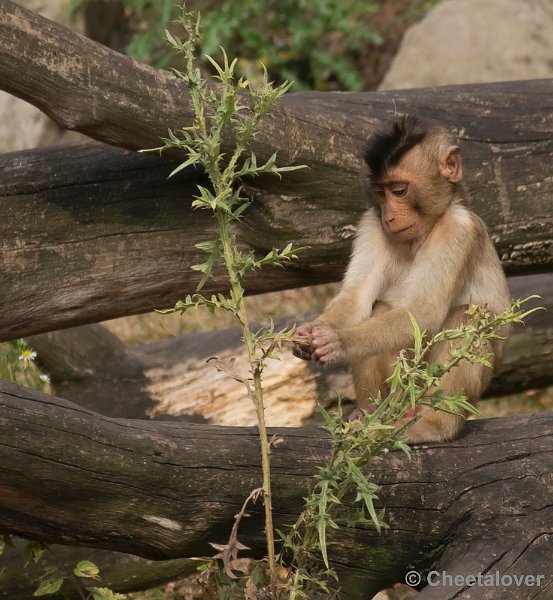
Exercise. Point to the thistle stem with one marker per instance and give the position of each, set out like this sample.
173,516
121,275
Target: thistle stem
256,394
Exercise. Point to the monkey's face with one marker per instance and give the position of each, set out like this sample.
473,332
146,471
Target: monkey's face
414,193
396,200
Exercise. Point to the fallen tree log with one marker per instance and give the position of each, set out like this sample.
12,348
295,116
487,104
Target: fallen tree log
117,238
85,86
128,248
160,490
90,366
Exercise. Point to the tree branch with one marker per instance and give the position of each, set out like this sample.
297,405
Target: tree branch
106,228
165,490
132,235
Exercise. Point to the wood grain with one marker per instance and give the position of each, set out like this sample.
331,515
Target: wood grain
165,490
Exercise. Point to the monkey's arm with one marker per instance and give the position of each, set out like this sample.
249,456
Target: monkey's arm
364,278
362,284
427,293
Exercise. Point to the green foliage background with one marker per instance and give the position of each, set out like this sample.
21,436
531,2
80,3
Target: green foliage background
317,44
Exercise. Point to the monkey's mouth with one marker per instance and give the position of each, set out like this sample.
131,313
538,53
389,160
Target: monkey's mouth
397,231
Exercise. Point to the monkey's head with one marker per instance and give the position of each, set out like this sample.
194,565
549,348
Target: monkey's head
414,168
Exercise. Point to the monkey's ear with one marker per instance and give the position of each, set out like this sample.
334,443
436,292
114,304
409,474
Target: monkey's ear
451,167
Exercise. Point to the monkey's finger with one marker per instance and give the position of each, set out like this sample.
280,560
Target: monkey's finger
302,352
324,340
304,330
321,330
302,342
322,351
328,358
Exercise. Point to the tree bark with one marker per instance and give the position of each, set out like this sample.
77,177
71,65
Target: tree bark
117,238
90,366
165,490
138,249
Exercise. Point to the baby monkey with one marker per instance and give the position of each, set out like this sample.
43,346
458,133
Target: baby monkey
418,250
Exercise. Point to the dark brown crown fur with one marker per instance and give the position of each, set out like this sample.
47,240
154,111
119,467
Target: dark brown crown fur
387,147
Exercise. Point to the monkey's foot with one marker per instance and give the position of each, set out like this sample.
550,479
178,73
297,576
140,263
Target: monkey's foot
359,413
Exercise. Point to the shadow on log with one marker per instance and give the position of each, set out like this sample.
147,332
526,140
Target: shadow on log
481,503
118,572
90,366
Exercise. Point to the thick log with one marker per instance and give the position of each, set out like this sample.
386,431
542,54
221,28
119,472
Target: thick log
90,366
124,248
165,490
117,238
87,87
120,573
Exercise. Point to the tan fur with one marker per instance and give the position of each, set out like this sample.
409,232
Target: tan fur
443,262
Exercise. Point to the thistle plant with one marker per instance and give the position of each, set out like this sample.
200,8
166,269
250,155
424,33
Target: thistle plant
230,109
413,385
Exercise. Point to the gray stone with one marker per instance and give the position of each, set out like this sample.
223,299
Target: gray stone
21,124
476,41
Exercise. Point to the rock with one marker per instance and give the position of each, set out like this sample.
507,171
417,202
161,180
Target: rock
21,124
470,41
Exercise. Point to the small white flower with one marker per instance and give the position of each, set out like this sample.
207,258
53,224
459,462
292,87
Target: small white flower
27,357
45,378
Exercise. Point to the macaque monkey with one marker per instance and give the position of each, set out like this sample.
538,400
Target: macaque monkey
418,250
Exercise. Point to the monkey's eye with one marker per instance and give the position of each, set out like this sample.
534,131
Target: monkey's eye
379,191
398,189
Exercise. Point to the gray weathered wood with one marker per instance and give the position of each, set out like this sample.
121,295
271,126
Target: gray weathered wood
90,232
165,490
118,249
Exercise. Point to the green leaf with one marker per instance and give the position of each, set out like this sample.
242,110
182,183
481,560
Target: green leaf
215,65
417,335
51,585
105,594
205,199
207,246
33,551
279,170
368,499
238,212
321,530
193,160
172,40
6,542
86,569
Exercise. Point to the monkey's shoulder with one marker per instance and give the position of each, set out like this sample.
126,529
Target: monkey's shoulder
459,222
483,281
370,238
370,220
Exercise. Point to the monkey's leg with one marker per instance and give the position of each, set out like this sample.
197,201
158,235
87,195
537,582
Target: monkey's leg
369,377
370,373
435,425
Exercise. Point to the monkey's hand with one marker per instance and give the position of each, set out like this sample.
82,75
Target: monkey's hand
302,345
326,344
